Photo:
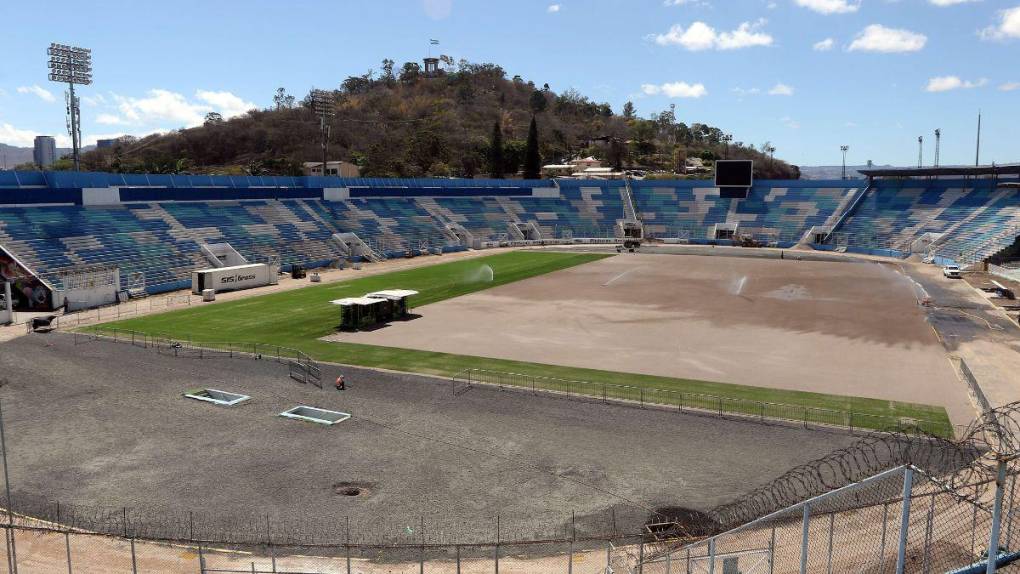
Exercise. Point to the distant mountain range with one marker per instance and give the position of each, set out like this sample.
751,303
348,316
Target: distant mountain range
11,156
833,171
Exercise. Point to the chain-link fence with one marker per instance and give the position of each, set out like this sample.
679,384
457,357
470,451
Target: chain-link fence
697,402
901,520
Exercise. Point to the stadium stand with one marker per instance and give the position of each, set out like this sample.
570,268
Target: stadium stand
154,225
783,209
973,218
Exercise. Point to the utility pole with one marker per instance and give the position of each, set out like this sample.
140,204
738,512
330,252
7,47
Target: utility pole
977,154
71,65
844,149
772,152
920,151
324,106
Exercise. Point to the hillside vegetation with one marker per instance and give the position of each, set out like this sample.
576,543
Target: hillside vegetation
400,122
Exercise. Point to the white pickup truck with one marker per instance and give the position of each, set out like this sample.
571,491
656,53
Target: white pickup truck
952,271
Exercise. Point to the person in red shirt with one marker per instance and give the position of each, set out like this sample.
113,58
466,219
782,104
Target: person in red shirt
340,383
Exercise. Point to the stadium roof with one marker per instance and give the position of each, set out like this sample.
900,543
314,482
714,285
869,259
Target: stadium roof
1004,169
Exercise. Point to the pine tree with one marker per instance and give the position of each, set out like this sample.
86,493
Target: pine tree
496,152
532,159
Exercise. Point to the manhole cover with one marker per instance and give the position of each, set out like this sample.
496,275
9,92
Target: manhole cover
352,489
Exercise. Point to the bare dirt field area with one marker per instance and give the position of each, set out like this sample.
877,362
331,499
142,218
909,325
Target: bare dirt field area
105,423
848,327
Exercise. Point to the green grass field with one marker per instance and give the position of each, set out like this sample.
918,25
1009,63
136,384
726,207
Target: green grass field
298,318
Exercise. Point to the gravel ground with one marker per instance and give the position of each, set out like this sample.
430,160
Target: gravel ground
106,423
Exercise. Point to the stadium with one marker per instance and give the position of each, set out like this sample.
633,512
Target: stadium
588,376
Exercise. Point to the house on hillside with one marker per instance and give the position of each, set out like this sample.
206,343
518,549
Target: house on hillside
339,168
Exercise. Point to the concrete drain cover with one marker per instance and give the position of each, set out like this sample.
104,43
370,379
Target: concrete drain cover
217,397
316,415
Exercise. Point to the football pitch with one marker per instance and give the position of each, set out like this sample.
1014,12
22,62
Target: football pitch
301,318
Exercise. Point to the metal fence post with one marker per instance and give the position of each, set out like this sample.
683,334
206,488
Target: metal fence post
1010,508
67,547
832,527
497,544
885,528
993,539
901,553
711,556
641,557
806,521
772,551
134,559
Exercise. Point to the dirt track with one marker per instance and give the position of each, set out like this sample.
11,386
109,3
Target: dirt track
851,327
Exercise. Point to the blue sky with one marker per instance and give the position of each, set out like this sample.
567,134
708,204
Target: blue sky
807,75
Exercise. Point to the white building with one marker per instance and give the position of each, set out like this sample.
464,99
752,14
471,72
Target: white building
339,168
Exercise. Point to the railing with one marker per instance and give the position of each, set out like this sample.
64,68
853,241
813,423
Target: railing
301,366
697,402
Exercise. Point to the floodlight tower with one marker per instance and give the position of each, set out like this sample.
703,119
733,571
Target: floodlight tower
324,106
938,145
772,153
920,151
72,65
727,138
844,149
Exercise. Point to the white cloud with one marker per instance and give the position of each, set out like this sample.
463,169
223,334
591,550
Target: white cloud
700,36
225,103
1009,87
552,9
878,38
830,6
162,106
947,83
790,122
703,3
437,9
3,92
44,94
110,120
96,100
823,45
781,89
746,92
949,2
1007,27
11,135
675,90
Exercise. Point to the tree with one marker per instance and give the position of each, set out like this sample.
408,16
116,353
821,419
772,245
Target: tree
213,119
537,102
616,154
410,72
628,111
496,152
282,99
387,72
532,159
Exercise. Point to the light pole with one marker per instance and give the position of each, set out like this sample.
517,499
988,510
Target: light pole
920,151
323,104
72,65
938,144
772,154
844,149
727,139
